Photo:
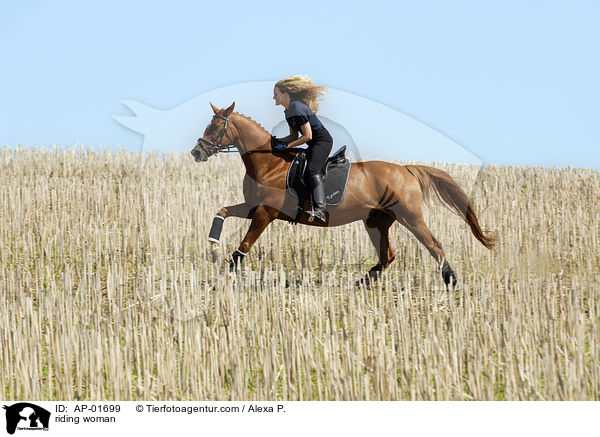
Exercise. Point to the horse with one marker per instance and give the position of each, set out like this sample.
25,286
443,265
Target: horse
378,193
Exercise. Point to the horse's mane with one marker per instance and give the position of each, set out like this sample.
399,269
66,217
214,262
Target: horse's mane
245,117
287,154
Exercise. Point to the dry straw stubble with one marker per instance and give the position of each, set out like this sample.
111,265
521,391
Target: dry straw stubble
108,292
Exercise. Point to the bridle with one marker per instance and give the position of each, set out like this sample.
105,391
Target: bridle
210,148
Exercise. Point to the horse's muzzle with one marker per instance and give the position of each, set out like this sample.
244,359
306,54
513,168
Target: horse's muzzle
199,155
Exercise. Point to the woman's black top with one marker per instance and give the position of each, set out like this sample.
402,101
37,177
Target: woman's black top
298,114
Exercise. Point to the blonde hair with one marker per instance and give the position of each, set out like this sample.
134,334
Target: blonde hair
303,89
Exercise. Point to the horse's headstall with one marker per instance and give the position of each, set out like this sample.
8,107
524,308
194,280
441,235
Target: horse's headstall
209,147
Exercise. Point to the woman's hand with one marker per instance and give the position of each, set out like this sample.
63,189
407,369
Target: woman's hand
285,140
277,144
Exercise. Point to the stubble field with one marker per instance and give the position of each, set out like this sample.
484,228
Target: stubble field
107,290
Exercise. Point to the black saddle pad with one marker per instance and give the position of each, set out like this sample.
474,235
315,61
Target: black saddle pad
337,171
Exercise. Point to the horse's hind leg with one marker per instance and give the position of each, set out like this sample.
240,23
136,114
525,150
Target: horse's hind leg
378,225
261,217
415,224
242,210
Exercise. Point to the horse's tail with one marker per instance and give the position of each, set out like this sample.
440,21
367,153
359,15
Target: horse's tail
447,190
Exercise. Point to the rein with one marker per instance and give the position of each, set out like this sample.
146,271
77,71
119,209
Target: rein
210,148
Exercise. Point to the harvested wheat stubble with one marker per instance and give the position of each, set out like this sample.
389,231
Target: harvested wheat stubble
108,291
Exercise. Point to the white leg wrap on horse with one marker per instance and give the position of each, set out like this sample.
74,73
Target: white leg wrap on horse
215,230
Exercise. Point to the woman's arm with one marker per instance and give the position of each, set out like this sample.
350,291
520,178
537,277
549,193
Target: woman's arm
291,137
306,136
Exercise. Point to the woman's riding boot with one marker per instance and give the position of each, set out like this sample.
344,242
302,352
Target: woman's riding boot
318,191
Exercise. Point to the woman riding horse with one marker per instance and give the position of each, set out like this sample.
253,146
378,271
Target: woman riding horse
378,193
298,95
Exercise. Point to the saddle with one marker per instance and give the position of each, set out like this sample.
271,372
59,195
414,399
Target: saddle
335,179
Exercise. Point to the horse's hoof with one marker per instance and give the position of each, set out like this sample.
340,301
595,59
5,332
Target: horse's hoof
453,285
234,267
370,278
448,276
215,252
363,282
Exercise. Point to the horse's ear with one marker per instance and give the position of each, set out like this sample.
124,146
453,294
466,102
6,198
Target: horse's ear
229,110
215,110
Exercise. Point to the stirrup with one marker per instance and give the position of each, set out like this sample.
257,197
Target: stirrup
317,214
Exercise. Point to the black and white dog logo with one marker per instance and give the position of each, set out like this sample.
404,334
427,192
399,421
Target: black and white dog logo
26,416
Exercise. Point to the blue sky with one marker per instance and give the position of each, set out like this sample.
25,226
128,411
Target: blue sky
515,83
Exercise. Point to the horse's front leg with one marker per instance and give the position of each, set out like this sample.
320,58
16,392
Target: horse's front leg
261,217
242,210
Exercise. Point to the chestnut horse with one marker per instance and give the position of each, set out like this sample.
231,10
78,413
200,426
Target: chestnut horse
378,193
